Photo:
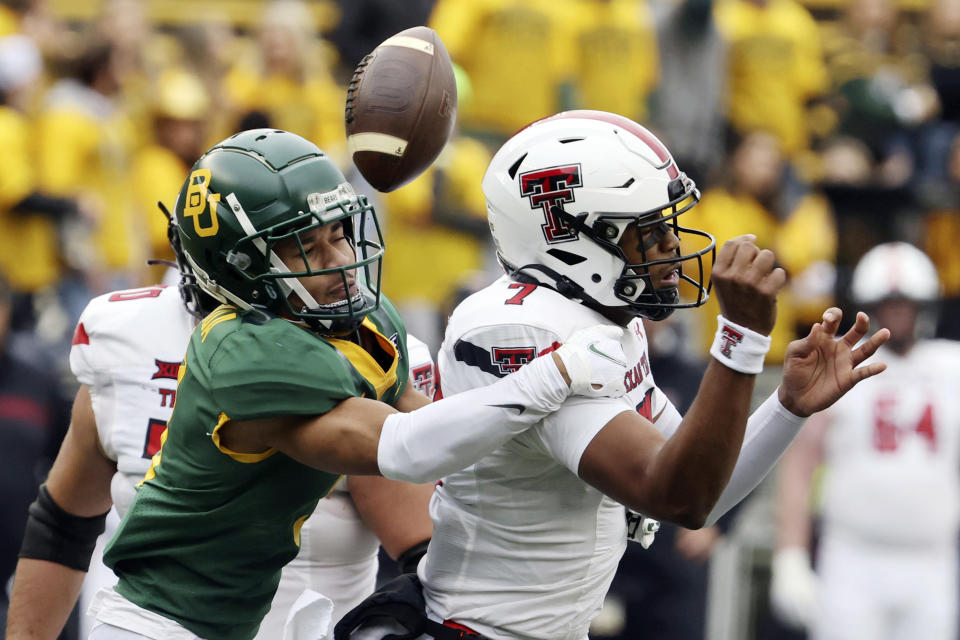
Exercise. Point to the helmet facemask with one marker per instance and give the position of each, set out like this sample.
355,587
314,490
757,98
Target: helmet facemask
279,287
635,285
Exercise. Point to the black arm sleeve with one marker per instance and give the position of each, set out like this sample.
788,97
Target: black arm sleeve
57,536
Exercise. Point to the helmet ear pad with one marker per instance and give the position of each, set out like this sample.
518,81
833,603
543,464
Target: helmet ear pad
560,195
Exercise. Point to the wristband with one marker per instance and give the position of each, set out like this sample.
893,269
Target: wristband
738,347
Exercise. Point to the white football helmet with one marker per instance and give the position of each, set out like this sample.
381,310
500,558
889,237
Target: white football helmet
560,194
895,270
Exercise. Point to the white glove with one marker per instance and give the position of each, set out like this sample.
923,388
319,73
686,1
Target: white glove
595,361
641,529
793,587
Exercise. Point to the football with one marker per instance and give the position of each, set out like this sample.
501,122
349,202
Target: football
401,108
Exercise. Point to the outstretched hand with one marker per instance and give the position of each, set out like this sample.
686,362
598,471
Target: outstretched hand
819,369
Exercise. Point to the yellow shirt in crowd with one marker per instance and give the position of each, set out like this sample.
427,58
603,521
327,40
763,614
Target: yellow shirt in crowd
157,176
29,249
85,150
805,237
616,60
517,53
312,108
775,67
425,262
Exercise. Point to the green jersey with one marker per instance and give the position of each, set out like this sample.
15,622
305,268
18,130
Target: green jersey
210,529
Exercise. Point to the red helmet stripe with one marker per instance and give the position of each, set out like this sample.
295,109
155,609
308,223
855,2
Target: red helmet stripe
628,125
894,269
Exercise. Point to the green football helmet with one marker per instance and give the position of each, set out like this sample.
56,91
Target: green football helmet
258,188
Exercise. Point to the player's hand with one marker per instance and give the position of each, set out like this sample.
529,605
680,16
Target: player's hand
819,369
746,281
593,362
793,588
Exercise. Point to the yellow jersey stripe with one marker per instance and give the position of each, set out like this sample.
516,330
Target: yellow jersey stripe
155,460
366,364
236,455
220,314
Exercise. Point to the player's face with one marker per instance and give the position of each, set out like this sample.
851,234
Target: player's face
650,242
900,316
325,247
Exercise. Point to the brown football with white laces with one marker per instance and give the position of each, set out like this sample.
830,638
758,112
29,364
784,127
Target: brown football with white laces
401,108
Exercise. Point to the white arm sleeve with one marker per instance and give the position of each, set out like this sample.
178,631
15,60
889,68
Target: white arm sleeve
453,433
770,430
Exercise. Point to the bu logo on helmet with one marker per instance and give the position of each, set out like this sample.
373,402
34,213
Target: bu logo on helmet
547,188
198,196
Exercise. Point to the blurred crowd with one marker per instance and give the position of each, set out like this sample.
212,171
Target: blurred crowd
824,131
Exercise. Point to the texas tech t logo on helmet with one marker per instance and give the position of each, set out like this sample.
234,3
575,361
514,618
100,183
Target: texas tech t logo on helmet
547,188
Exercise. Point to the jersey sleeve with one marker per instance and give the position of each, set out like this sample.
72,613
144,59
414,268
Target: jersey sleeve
566,433
481,356
80,364
485,354
82,357
253,376
669,419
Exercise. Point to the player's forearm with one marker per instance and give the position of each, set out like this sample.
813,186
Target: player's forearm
397,512
692,468
362,437
423,445
770,430
44,594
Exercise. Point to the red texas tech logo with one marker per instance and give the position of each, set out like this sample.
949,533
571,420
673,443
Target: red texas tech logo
509,359
731,337
548,188
423,379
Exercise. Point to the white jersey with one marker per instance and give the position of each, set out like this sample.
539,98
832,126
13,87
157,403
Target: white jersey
522,547
127,349
893,452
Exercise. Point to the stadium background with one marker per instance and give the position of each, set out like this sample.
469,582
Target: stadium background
823,126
